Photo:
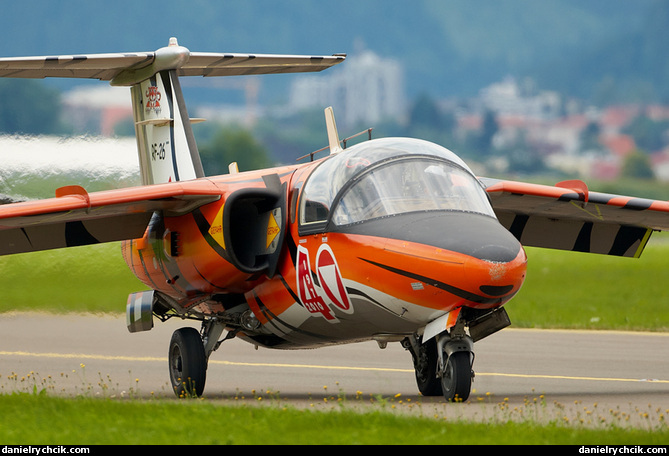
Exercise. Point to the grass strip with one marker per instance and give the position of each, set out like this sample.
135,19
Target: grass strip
39,419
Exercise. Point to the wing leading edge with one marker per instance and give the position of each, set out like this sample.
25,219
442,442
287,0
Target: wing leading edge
75,218
568,216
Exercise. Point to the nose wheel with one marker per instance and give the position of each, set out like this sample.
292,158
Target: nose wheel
443,367
456,378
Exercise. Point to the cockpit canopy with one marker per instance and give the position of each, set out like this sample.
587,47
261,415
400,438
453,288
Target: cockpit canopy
386,177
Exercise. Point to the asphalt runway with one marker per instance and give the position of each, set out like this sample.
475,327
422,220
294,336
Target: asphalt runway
587,376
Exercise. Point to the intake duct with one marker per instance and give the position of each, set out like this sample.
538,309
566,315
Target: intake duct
254,227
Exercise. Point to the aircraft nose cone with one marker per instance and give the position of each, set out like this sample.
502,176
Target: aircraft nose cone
497,278
504,251
474,235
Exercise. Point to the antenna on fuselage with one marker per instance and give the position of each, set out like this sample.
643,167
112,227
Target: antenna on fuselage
335,145
333,135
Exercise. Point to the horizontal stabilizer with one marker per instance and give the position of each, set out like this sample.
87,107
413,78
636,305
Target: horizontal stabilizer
131,68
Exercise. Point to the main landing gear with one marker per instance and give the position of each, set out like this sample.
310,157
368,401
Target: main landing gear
443,365
188,357
188,363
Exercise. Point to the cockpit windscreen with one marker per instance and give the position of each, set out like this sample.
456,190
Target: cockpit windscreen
388,177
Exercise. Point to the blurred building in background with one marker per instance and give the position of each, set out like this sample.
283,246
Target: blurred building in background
368,89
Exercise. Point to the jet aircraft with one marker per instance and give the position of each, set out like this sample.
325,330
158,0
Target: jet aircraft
393,240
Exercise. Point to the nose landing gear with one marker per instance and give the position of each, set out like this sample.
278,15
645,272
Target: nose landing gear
443,363
456,375
443,366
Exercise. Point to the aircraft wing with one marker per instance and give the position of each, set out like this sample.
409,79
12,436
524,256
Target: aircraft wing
106,67
568,216
75,217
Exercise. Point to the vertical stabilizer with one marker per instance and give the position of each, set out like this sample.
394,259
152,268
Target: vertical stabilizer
165,141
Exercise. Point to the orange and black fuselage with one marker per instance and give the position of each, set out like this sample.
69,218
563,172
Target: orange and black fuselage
330,281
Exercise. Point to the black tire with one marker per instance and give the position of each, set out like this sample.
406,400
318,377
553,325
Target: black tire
187,363
456,383
425,365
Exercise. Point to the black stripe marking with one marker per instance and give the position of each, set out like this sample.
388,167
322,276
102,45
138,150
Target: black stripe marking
290,291
583,240
626,237
570,197
271,318
76,234
438,284
518,225
25,233
354,292
638,204
167,84
204,225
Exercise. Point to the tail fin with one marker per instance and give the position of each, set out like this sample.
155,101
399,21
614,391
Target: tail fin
165,141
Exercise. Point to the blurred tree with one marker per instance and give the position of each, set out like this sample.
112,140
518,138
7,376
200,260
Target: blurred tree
29,107
233,144
426,114
648,134
589,138
522,158
637,165
482,142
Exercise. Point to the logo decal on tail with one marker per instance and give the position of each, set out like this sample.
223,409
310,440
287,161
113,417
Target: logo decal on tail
153,97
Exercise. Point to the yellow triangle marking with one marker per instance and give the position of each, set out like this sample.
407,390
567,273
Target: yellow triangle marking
272,229
216,229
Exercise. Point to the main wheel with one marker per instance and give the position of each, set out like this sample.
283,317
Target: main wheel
456,381
425,365
187,362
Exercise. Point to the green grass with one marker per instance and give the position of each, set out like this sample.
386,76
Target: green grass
91,279
33,419
586,291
